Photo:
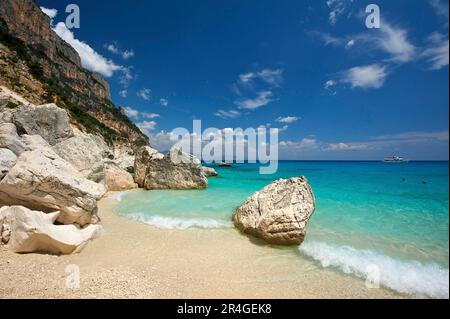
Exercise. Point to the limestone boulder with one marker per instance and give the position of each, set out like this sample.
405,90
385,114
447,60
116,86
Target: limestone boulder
10,139
27,231
48,121
41,180
7,160
118,179
209,171
175,170
278,213
86,153
143,156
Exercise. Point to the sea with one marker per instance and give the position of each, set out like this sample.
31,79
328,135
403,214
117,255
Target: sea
387,222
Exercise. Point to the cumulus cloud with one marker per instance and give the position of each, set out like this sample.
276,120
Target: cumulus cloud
130,112
305,143
163,102
52,13
90,59
230,114
287,119
263,98
437,52
271,77
144,94
123,93
150,115
330,83
115,49
369,76
146,127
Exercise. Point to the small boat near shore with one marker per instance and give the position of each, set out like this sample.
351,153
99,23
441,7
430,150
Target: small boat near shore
395,159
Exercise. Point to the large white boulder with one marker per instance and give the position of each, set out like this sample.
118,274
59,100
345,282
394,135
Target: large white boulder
10,139
175,170
85,153
278,213
118,179
48,121
41,180
27,231
7,160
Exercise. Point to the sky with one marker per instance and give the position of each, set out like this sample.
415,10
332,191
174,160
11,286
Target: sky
336,89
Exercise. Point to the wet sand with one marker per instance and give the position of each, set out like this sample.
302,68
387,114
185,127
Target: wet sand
134,260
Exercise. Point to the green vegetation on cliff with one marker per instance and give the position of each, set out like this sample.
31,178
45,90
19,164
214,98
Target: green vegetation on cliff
82,109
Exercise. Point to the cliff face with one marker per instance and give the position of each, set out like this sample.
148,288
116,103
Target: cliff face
37,63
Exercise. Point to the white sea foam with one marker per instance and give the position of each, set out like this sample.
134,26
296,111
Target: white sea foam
118,196
411,277
165,222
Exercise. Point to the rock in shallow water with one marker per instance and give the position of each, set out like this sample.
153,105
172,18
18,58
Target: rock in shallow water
175,170
33,231
209,171
278,213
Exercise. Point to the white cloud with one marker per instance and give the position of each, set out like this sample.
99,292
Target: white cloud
123,93
112,48
90,59
263,98
231,114
146,126
350,44
414,136
305,143
272,77
288,119
330,83
126,76
115,49
437,52
370,76
52,13
150,115
130,112
144,94
337,8
440,7
246,78
163,102
347,147
395,42
127,54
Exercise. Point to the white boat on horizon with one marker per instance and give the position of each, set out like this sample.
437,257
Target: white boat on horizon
395,159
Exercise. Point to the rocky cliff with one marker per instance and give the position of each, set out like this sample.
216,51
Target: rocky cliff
38,64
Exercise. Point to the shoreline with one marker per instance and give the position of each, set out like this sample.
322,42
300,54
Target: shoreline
135,260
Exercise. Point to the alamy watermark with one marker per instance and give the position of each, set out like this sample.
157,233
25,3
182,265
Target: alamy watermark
229,145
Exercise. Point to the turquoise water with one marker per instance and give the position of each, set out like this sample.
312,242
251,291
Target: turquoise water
367,216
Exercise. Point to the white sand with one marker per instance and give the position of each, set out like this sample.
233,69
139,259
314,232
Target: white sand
134,260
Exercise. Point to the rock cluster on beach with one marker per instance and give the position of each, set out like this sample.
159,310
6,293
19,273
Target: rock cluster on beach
175,170
48,166
278,213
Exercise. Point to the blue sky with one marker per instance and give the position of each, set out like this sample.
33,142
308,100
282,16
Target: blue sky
336,89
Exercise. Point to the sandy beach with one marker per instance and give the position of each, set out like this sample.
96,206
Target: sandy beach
134,260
